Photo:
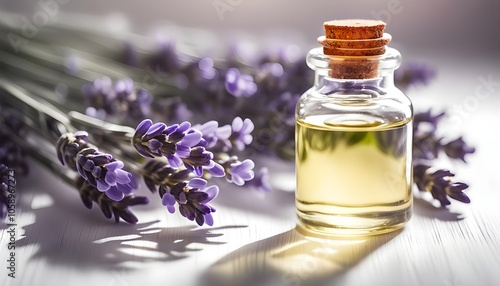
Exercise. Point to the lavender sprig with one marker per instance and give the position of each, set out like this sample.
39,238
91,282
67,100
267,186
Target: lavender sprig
180,187
427,147
439,183
100,170
122,100
192,197
4,187
12,157
190,153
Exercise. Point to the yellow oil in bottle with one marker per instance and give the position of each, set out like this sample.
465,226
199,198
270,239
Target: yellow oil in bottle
353,177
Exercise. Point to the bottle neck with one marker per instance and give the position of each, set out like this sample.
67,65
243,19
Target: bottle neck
341,74
324,84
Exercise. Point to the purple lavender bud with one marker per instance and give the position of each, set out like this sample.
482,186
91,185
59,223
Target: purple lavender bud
158,173
168,200
241,132
439,183
166,58
457,149
174,160
206,69
193,198
177,143
105,173
100,94
215,169
4,179
109,206
261,180
241,172
140,107
427,117
119,100
212,133
198,158
414,73
68,146
270,76
425,146
173,109
123,89
238,84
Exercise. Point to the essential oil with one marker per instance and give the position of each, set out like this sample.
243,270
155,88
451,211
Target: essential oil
352,179
353,140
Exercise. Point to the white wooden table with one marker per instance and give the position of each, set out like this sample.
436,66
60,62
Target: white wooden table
253,241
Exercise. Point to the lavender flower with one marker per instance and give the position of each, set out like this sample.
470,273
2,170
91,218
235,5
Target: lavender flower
215,169
457,149
165,58
4,191
109,207
206,69
427,117
101,170
105,173
238,134
192,198
439,183
241,172
100,94
427,146
176,142
173,109
199,158
241,132
238,172
68,145
261,180
213,134
414,73
121,99
239,85
159,174
270,76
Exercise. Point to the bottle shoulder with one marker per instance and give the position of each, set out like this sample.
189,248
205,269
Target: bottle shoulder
389,107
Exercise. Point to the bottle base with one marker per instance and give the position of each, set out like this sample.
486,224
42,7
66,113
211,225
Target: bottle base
362,224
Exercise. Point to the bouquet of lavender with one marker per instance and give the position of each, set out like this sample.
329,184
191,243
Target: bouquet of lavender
102,119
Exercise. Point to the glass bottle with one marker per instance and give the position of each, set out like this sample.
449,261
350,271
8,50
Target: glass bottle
353,146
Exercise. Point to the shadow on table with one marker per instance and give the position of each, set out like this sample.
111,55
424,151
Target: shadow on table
293,258
67,238
425,208
114,249
64,232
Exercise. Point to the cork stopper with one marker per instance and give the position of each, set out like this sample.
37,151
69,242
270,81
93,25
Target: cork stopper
354,45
